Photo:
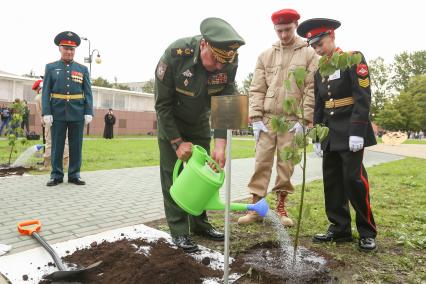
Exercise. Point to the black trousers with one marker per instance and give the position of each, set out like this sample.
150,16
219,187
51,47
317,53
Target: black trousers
346,180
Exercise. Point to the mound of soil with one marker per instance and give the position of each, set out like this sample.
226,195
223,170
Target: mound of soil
139,261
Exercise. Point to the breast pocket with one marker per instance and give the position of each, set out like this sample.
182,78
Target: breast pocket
269,104
271,74
189,106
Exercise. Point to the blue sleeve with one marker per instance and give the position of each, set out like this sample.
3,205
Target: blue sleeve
45,95
87,90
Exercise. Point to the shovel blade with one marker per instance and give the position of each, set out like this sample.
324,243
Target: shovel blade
70,274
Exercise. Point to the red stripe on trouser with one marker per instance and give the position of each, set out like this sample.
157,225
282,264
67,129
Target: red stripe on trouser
367,187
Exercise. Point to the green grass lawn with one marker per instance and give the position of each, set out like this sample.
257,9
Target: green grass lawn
408,141
398,200
103,154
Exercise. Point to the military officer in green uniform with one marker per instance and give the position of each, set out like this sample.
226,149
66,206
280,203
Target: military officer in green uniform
66,105
190,71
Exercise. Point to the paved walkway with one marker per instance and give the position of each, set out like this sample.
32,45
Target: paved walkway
111,199
408,150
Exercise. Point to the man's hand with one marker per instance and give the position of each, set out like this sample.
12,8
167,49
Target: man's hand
218,153
356,143
87,119
48,120
317,149
184,151
258,126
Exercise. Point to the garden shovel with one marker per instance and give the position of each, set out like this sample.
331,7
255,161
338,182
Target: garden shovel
63,274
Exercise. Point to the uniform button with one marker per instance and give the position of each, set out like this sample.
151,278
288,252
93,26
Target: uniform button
68,86
328,87
68,71
68,65
331,113
331,100
68,78
329,93
68,93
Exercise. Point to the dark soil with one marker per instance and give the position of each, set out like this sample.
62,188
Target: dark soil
123,263
6,170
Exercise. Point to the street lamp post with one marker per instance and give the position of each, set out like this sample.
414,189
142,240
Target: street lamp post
89,60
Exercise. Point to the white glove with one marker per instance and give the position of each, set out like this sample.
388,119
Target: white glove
87,119
48,120
356,143
297,128
317,149
258,126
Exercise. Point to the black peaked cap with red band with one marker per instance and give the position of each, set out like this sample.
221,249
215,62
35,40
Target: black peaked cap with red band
67,38
314,29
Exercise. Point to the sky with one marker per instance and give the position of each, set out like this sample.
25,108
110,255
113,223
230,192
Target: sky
132,35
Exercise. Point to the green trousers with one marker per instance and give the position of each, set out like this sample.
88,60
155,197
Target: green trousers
180,222
75,143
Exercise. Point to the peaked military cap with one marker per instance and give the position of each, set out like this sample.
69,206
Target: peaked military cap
222,39
314,29
67,38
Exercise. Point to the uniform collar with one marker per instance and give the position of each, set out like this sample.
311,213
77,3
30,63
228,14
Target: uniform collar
298,43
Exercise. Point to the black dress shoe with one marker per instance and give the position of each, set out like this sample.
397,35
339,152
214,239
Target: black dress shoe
331,237
212,234
184,242
54,182
76,181
367,244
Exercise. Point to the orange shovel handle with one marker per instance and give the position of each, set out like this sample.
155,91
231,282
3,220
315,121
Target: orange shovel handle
29,231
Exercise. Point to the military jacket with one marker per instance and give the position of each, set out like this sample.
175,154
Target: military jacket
183,90
66,79
349,120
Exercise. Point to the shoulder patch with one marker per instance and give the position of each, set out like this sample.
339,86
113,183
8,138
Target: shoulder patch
161,70
364,82
362,70
186,52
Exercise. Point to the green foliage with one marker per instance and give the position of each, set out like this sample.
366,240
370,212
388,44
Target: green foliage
290,106
279,124
149,86
407,65
338,61
14,129
246,84
101,82
381,89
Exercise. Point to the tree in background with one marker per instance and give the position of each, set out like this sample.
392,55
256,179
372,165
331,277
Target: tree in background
148,87
380,85
408,65
101,82
246,84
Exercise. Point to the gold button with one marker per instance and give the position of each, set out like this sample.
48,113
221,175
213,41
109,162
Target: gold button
331,100
329,93
68,93
331,113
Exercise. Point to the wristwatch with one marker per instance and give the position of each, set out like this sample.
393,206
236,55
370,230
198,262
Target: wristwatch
176,145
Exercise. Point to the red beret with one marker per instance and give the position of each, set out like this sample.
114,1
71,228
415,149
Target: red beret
36,84
285,16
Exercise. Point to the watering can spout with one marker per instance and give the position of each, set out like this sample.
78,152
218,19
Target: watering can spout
261,207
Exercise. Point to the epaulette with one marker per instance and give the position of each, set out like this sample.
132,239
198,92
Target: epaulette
179,52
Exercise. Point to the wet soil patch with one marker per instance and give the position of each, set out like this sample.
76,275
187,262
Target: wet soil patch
6,170
265,263
139,261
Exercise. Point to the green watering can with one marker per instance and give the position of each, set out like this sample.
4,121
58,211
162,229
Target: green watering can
196,188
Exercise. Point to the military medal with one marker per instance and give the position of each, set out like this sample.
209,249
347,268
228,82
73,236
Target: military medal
187,73
186,82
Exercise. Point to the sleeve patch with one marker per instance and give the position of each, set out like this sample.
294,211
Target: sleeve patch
161,70
364,82
362,70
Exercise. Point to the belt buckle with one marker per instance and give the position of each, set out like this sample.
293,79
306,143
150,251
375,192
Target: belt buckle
68,97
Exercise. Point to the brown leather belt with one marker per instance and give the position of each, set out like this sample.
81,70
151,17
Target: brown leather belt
339,103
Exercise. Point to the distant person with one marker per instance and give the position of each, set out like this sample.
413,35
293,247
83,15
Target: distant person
5,118
342,103
67,105
37,87
109,125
